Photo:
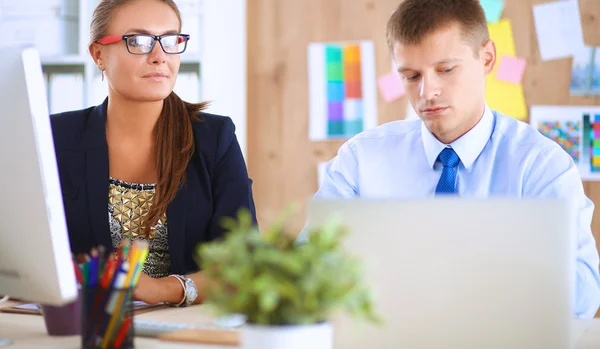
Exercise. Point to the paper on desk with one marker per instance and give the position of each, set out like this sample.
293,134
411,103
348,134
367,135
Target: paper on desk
390,86
141,305
30,306
505,97
511,69
493,10
558,27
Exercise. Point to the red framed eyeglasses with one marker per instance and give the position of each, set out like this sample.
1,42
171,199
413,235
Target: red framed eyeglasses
141,44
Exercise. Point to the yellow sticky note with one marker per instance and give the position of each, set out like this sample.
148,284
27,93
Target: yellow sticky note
502,96
502,35
505,97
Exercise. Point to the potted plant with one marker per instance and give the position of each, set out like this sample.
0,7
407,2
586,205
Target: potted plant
286,291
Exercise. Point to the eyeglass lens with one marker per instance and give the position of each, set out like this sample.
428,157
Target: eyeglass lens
142,44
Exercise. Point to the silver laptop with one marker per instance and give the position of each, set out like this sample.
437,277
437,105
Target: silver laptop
460,273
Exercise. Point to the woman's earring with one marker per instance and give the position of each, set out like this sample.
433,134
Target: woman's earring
101,71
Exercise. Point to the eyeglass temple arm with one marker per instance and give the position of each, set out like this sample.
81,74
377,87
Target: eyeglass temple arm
111,39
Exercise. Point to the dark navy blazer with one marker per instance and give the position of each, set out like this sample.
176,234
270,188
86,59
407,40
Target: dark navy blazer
217,184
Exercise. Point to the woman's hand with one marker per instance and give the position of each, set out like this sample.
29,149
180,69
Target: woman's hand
165,290
149,290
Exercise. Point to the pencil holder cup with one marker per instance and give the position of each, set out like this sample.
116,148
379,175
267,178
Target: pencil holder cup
107,318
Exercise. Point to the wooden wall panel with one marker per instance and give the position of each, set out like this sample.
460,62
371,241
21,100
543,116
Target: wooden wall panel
281,159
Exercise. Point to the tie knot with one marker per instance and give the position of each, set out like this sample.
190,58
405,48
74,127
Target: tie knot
448,157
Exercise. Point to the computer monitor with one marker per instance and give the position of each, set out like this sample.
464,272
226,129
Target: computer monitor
460,273
35,255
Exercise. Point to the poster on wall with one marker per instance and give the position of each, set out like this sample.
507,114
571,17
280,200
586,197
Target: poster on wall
585,72
342,89
577,130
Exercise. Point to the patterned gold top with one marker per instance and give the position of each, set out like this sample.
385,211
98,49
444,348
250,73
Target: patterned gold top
128,204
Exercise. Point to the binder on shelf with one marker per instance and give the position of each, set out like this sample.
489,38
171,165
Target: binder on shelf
66,92
187,87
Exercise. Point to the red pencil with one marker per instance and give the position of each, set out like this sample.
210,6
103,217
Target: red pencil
78,273
109,272
122,333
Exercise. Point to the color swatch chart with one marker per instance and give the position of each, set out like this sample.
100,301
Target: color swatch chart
592,130
577,130
344,90
566,133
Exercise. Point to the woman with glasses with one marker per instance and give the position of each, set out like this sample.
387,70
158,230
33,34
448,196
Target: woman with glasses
145,164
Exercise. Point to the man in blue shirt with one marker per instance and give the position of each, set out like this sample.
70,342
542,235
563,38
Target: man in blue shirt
443,53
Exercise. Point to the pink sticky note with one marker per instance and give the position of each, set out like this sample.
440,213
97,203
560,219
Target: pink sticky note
390,86
511,69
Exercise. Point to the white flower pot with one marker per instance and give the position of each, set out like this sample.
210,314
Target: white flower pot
318,336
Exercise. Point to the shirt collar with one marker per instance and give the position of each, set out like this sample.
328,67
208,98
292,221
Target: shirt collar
468,147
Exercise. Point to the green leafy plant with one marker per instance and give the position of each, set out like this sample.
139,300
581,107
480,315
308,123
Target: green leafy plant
272,280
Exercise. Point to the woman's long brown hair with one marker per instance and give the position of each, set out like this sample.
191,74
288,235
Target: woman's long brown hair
174,137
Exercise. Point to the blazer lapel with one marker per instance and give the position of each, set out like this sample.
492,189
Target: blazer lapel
97,174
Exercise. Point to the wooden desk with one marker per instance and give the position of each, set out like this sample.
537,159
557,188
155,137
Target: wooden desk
29,331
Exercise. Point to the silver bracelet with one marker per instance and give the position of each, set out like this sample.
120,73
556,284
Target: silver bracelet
184,290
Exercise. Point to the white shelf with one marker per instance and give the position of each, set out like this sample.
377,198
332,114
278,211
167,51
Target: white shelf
65,60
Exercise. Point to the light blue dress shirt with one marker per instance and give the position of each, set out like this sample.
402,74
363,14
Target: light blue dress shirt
499,156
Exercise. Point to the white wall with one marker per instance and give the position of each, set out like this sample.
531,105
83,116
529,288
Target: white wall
223,68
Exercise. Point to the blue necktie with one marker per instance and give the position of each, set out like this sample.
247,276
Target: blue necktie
447,182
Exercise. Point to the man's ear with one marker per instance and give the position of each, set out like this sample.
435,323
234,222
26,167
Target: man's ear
96,53
487,53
